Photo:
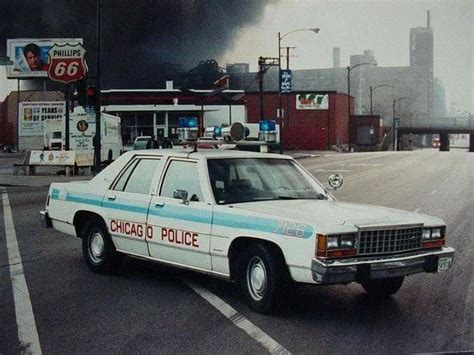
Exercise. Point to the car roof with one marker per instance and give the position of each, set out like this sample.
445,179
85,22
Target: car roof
206,153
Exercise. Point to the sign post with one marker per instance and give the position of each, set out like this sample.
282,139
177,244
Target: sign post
396,126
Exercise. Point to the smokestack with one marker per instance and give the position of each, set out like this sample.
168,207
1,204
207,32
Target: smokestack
428,18
336,57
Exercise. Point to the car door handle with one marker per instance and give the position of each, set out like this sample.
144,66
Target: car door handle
111,198
159,204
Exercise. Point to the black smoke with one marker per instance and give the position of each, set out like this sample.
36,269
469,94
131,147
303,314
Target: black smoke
144,42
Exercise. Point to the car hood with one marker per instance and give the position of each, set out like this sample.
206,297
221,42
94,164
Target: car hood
323,214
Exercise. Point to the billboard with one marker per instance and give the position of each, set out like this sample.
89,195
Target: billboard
30,56
33,114
312,102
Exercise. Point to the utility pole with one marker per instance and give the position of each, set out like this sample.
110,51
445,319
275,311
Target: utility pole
264,63
97,137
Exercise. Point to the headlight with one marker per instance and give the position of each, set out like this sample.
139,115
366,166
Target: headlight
347,241
333,242
336,246
426,234
436,233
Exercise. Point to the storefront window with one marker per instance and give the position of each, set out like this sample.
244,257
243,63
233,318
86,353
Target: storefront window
135,124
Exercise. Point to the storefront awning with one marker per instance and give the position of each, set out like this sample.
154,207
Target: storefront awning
156,108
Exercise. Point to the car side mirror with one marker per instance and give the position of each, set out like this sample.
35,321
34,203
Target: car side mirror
335,181
181,195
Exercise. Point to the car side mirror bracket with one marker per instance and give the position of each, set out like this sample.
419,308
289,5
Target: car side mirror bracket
181,195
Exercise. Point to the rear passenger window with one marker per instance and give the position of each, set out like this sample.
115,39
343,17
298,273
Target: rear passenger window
138,176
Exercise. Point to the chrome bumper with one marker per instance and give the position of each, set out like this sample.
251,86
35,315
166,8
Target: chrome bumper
45,220
350,270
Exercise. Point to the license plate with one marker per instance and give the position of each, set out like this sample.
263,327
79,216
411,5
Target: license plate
445,263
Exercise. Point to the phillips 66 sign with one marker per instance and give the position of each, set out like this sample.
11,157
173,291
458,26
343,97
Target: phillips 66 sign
66,62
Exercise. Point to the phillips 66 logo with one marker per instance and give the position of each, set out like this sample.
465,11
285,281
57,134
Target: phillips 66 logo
67,63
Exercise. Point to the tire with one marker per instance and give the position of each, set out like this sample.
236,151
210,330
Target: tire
383,288
97,247
263,278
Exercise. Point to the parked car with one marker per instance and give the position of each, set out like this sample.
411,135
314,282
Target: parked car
141,142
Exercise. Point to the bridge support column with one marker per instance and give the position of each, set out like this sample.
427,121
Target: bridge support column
471,142
444,142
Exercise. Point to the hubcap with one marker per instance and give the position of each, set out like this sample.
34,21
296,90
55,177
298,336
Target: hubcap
257,278
96,247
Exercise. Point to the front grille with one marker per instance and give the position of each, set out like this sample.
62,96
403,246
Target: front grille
387,241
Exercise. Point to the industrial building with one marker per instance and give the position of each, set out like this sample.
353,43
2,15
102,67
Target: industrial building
373,87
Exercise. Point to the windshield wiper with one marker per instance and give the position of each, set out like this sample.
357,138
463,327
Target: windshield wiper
318,196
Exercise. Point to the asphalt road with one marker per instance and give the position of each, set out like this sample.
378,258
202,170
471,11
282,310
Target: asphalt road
148,308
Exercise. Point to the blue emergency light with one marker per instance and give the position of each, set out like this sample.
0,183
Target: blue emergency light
187,122
267,130
267,126
187,128
217,131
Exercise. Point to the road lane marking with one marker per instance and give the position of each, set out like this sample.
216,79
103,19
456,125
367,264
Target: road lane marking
331,170
239,320
25,319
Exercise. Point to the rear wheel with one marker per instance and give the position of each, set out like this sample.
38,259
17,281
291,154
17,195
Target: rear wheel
263,278
97,247
382,288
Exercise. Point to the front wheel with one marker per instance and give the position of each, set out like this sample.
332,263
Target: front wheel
97,247
383,288
263,278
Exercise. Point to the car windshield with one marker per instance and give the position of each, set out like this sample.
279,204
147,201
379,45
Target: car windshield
249,180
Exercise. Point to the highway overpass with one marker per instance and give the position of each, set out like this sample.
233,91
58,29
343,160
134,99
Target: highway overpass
442,126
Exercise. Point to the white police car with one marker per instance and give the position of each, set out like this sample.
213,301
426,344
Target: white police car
259,219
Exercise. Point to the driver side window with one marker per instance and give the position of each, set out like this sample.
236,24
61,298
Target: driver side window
182,175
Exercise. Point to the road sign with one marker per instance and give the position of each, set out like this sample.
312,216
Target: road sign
285,81
396,122
67,63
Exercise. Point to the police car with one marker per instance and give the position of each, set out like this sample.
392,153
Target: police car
256,218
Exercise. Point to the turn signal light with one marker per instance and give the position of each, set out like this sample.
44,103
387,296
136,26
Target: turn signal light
438,243
322,246
322,250
341,253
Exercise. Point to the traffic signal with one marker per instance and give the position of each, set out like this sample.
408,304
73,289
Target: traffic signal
80,93
91,96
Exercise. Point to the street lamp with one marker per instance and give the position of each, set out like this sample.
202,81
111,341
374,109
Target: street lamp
349,68
315,30
394,128
371,91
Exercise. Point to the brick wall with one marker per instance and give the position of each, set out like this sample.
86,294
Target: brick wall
303,129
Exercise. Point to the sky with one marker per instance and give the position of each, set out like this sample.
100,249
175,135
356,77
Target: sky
137,39
382,26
